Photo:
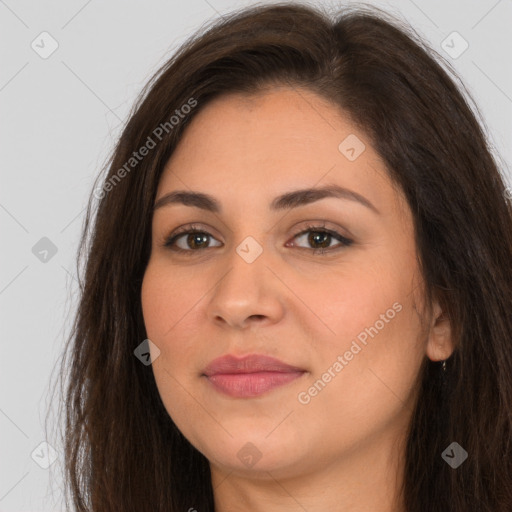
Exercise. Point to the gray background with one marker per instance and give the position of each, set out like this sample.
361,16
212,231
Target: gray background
60,117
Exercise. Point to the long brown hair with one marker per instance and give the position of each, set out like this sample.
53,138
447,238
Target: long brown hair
122,450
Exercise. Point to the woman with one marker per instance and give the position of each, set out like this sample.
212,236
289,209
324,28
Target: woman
297,286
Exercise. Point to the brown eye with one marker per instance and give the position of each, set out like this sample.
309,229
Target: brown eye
192,240
320,239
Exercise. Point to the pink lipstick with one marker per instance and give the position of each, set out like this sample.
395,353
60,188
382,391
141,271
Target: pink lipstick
249,376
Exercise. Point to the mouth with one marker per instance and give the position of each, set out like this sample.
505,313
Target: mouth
250,376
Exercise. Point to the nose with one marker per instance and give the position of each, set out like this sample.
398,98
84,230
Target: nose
246,294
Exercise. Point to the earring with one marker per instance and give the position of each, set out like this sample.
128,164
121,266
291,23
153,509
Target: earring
444,366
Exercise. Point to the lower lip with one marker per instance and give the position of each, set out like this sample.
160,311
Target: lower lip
247,385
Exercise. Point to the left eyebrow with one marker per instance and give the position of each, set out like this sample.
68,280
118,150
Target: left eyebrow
310,195
285,201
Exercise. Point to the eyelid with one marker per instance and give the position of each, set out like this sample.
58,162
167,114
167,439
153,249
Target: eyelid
192,226
322,225
311,226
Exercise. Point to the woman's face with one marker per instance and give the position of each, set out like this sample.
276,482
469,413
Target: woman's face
254,281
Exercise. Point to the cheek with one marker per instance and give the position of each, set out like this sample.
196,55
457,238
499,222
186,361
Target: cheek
171,309
354,303
371,304
372,386
155,296
376,332
160,310
166,299
163,305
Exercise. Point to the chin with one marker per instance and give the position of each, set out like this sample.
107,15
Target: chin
252,450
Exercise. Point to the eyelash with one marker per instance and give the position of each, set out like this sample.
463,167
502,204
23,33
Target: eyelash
191,229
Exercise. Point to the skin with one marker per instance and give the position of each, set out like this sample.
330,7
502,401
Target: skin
343,450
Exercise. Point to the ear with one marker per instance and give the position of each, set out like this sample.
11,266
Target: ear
439,341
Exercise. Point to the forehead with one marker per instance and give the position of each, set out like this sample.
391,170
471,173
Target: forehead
279,138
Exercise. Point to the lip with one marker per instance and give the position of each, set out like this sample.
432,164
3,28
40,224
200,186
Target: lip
249,376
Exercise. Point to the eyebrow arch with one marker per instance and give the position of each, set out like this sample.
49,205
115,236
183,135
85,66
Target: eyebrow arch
285,201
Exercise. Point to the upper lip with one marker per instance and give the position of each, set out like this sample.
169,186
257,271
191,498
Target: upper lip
248,364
